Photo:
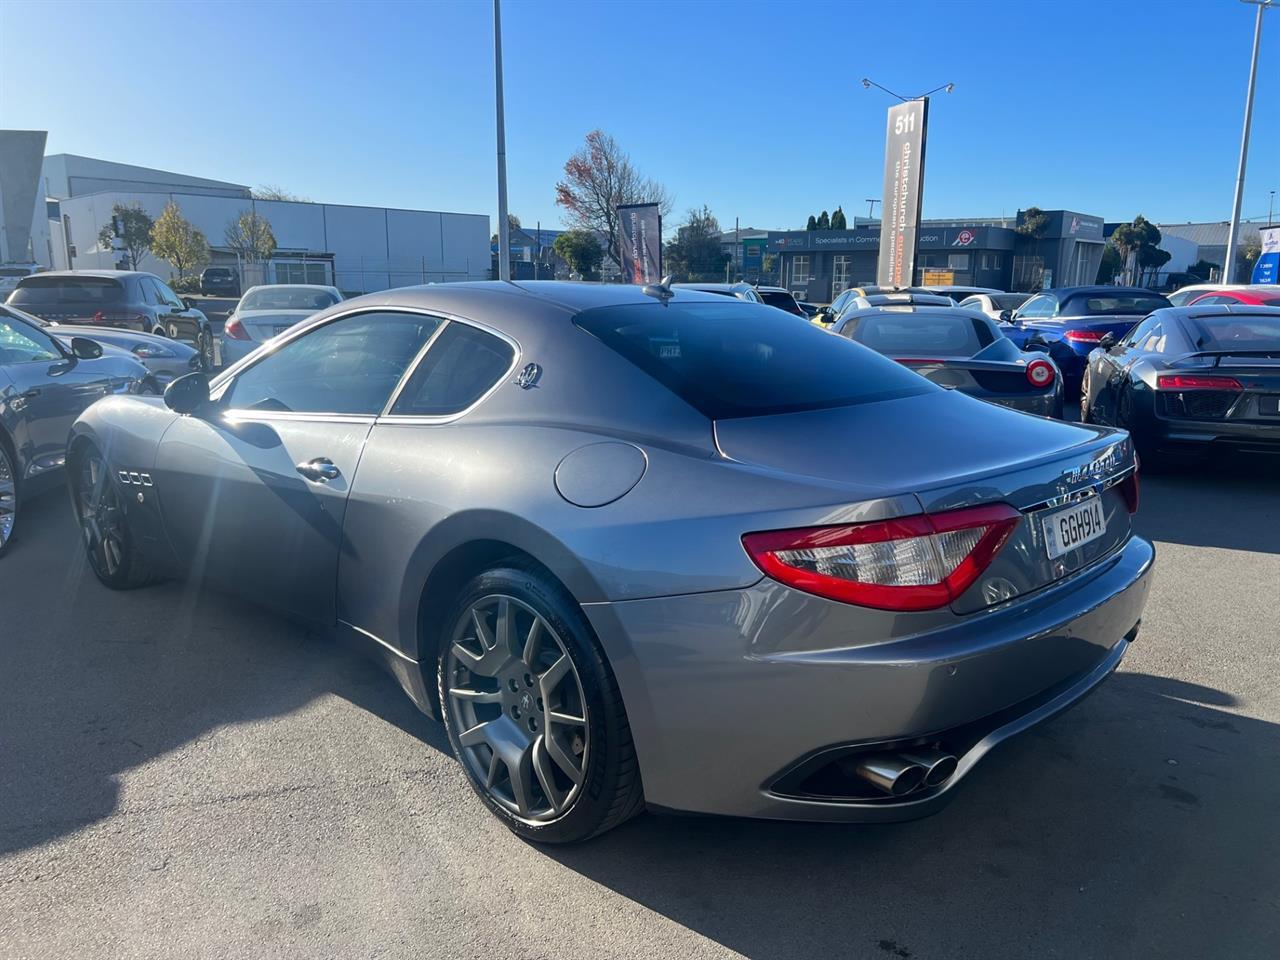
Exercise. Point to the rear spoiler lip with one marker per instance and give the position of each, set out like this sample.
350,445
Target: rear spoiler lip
1219,354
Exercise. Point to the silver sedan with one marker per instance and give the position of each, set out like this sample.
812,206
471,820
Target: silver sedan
638,547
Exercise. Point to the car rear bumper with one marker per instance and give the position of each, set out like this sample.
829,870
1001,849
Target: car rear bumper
234,350
722,721
1191,436
1041,404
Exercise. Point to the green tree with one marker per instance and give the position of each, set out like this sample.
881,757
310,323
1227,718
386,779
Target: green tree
1133,238
250,236
173,238
131,227
1247,255
581,251
838,221
1150,260
1203,269
1032,223
1110,265
513,224
696,252
824,221
812,224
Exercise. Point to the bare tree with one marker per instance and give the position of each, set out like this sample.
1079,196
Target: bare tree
270,191
598,179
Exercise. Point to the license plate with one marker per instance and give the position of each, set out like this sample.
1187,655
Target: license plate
1073,527
280,328
1269,405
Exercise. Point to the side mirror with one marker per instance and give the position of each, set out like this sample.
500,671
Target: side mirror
1006,316
188,394
1107,341
188,303
84,349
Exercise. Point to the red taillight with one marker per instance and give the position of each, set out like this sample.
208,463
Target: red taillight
234,329
1130,490
97,317
1194,381
1083,336
1040,373
913,563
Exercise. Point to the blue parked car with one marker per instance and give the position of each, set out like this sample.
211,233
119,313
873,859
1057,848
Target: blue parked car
1070,321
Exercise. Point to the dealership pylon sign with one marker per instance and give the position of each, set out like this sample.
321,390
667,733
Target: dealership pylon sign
1267,269
640,242
903,188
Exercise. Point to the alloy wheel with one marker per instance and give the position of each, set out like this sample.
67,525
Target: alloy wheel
8,498
101,515
206,351
517,709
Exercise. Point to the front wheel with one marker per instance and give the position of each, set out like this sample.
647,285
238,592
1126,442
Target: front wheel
8,498
104,524
204,344
533,711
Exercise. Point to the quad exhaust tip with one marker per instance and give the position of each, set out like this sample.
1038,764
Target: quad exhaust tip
898,774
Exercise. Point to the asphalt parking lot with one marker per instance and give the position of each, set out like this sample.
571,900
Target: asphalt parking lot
185,776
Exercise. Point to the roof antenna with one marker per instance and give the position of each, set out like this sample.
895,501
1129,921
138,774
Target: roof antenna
662,290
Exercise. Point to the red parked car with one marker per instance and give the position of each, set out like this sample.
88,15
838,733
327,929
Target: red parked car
1254,298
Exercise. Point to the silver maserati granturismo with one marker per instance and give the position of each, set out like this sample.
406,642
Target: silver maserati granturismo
641,547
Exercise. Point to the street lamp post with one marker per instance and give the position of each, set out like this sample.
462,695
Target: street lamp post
1229,268
504,232
946,87
871,207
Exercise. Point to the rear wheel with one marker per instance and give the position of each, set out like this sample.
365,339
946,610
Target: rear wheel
204,344
1085,416
8,497
533,711
104,524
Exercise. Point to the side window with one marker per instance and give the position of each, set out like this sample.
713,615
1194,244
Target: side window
461,366
350,366
1152,340
1137,333
168,296
1038,308
150,295
1215,299
20,343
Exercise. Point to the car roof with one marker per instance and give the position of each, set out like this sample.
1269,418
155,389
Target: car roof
970,291
1216,310
1065,292
104,274
726,287
292,286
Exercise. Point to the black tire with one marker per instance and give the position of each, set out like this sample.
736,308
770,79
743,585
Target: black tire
10,495
204,344
1085,416
610,791
102,512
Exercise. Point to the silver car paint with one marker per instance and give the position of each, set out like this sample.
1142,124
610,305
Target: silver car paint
699,640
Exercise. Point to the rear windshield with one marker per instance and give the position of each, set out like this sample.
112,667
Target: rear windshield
923,334
1107,304
1009,301
1235,332
217,273
740,359
287,298
36,289
779,299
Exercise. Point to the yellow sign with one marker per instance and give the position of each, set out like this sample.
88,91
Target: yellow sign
937,278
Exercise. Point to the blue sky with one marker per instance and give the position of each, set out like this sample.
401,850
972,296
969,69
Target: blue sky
755,109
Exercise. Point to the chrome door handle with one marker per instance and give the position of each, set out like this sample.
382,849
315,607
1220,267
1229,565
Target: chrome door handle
321,470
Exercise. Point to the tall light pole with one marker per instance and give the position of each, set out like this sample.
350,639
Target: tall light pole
871,207
1229,268
946,87
504,231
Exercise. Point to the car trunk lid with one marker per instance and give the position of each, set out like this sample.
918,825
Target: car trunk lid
265,324
951,451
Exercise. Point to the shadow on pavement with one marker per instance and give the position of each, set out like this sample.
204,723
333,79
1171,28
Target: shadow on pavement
100,682
1232,503
1132,821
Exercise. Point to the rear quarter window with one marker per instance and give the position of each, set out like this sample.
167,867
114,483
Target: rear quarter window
743,360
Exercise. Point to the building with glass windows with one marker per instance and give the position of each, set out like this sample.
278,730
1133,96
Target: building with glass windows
818,265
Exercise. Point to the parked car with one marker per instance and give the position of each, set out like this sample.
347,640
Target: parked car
781,298
596,527
123,299
741,291
11,273
219,282
899,297
998,306
960,350
1268,296
165,359
1070,322
1189,380
846,296
44,386
959,293
268,311
1184,295
811,310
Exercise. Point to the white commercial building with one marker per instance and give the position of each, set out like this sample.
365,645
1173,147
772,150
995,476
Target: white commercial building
357,249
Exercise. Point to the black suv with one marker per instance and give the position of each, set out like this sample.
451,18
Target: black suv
219,282
124,299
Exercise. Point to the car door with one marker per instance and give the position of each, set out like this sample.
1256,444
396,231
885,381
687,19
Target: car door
50,388
180,321
254,492
1111,368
